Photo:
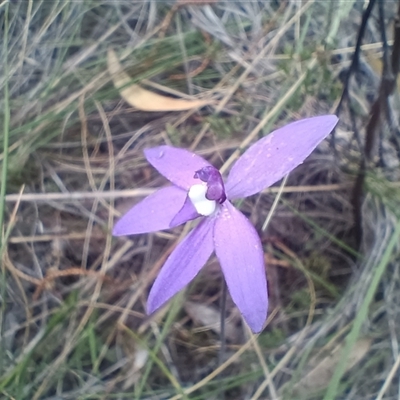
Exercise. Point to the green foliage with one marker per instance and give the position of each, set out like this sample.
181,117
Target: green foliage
272,338
300,300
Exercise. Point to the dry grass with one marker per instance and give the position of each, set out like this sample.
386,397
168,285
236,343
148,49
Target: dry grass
72,316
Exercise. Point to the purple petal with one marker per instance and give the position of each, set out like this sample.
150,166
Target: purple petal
271,158
154,213
186,213
183,264
177,165
239,250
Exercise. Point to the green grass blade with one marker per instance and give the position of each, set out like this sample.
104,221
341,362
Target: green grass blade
333,387
6,130
3,183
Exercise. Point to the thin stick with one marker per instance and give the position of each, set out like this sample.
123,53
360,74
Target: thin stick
275,203
389,379
356,55
386,88
140,192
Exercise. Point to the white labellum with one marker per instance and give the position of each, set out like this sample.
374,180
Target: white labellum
197,194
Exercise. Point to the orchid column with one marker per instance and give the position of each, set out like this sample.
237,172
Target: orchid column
198,191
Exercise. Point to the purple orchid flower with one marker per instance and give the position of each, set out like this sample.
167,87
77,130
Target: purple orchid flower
199,191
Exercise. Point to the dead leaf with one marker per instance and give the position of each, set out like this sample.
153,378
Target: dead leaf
210,318
319,376
144,99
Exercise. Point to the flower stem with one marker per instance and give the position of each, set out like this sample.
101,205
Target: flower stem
222,349
222,331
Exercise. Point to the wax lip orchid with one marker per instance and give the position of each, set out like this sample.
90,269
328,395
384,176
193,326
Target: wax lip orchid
198,191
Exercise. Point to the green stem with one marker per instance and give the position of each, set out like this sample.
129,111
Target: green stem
6,131
3,183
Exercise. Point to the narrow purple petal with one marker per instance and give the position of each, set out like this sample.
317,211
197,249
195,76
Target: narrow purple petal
186,213
271,158
154,213
239,250
183,264
177,165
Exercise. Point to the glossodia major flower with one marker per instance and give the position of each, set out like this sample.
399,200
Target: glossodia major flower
198,191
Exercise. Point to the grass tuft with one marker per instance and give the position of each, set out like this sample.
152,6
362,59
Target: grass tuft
73,322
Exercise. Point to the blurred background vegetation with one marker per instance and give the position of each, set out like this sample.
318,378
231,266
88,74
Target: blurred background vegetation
73,324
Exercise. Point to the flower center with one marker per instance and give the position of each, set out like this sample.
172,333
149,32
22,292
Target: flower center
205,196
215,184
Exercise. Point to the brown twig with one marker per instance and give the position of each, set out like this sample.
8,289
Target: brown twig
48,281
388,83
51,275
